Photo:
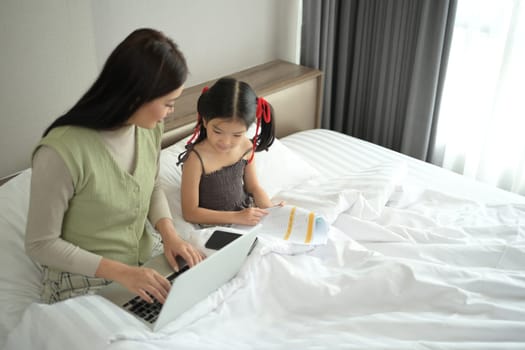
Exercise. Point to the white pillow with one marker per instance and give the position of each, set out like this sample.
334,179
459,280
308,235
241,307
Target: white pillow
20,277
170,178
278,169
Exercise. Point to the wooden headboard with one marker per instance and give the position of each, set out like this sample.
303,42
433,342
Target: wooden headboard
293,90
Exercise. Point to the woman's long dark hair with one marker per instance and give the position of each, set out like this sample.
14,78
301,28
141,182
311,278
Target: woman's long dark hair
230,98
143,67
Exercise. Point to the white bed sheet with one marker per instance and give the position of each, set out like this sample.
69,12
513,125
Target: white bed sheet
417,258
334,154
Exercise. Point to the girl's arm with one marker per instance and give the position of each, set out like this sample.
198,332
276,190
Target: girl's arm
191,174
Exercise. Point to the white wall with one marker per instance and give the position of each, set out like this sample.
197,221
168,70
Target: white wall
53,50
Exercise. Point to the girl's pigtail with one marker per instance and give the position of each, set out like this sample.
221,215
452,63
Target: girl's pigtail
198,134
197,128
265,129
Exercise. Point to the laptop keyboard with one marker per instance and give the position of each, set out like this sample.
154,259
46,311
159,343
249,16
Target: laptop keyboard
143,309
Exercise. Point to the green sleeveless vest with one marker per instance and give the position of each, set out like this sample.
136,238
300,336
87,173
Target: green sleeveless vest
109,208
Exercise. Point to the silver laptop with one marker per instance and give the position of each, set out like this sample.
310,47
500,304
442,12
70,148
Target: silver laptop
189,285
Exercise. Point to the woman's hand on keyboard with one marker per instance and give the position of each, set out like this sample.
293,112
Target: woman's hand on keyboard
142,281
146,283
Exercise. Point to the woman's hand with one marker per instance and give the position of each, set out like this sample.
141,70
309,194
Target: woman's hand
250,216
174,245
142,281
145,282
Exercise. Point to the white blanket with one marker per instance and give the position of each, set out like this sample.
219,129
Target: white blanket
426,271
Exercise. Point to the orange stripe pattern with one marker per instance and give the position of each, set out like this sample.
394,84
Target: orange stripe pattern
290,224
309,232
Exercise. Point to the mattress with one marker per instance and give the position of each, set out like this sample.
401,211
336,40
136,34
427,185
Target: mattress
334,154
417,258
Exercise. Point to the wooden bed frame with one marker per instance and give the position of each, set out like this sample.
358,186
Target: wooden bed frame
294,91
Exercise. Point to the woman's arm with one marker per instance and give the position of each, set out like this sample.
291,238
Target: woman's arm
191,174
51,190
160,215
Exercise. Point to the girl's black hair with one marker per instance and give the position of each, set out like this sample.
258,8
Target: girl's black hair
230,98
143,67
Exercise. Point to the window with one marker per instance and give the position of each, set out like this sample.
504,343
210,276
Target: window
481,130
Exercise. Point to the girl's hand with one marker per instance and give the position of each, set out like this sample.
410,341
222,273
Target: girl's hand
174,245
145,282
250,216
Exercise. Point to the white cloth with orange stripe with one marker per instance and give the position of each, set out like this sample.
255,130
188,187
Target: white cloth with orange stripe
295,225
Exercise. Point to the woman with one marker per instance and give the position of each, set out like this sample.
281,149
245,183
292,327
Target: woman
94,178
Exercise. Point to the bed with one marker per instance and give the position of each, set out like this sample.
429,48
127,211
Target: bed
417,257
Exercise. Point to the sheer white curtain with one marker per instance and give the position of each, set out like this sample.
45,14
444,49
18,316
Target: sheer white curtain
481,130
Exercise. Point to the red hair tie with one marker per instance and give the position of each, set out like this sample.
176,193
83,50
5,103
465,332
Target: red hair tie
197,128
261,113
263,110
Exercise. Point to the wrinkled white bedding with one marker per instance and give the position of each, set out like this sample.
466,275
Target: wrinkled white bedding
405,267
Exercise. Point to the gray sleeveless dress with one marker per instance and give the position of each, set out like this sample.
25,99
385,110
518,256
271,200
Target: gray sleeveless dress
224,189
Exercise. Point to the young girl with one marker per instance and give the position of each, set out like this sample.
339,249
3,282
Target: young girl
219,181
